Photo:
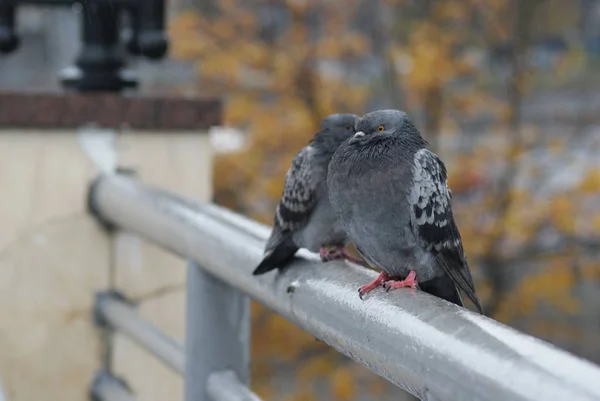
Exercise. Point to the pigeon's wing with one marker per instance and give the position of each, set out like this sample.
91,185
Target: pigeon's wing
299,196
297,202
433,223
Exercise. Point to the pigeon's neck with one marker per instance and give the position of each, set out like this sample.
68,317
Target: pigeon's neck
409,143
413,136
326,142
417,142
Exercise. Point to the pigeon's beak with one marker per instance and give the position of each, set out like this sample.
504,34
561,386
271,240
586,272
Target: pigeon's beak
359,134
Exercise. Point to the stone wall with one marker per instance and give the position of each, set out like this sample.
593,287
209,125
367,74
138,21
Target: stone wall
54,256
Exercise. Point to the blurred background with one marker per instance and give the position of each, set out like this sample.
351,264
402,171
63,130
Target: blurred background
506,91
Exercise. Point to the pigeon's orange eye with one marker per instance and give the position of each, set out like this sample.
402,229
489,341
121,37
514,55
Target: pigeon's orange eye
381,128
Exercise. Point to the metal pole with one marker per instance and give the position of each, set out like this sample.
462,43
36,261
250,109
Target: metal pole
109,388
102,58
118,315
147,31
112,311
9,40
152,39
217,334
100,64
225,386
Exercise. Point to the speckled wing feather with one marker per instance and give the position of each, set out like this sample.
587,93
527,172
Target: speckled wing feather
297,202
433,223
299,197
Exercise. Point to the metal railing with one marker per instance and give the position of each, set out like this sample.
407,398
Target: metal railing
107,387
428,347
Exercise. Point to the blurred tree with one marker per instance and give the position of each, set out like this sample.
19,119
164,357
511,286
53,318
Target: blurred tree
520,16
279,80
281,66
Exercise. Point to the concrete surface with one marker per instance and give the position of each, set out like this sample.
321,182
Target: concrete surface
53,257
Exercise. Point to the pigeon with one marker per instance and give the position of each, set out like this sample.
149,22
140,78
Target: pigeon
391,196
304,218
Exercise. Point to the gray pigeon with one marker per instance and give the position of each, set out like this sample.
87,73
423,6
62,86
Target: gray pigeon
304,218
391,195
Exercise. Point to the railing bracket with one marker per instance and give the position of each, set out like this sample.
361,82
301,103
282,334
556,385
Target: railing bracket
104,383
92,207
102,296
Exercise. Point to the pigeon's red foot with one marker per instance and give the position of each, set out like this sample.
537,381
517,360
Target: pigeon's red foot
409,281
350,257
380,280
328,254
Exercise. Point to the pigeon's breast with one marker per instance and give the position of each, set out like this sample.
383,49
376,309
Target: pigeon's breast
368,189
375,213
383,237
391,246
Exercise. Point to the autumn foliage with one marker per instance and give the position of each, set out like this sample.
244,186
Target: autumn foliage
281,66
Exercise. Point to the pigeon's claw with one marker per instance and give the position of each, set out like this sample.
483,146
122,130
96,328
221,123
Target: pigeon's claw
351,258
380,280
329,253
410,281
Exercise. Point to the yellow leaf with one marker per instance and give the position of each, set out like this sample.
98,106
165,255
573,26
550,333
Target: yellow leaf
556,145
343,384
597,222
591,182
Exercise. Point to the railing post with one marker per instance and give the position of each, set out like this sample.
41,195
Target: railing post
217,336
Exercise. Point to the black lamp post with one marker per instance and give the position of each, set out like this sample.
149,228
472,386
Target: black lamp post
100,65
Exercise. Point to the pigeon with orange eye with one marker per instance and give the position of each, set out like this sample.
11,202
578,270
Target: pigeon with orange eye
390,194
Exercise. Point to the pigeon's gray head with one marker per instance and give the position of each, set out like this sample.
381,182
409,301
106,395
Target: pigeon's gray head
384,122
335,129
342,121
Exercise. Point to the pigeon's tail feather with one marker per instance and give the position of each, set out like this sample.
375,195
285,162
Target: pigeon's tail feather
442,287
278,257
458,271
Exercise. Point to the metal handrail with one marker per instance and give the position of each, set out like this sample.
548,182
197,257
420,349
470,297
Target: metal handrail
225,386
109,388
430,348
118,314
114,312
